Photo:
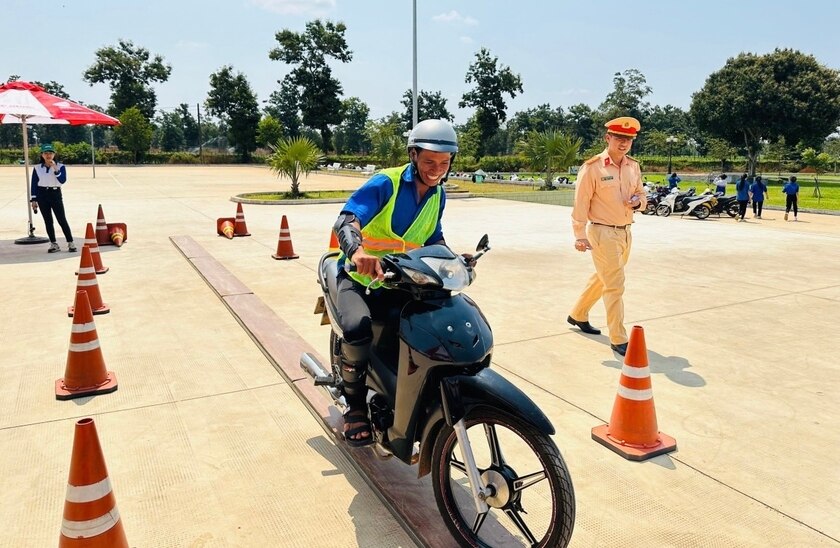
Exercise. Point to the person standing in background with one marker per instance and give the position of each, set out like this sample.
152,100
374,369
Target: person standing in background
673,181
743,189
791,191
47,179
758,191
609,189
720,184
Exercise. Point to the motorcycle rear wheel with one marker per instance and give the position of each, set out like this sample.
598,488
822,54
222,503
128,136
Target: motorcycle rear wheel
531,502
702,211
663,210
650,209
733,209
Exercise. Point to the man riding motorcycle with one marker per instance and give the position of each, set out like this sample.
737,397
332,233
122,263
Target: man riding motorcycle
396,210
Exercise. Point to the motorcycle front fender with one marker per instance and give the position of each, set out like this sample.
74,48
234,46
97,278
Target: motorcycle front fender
487,388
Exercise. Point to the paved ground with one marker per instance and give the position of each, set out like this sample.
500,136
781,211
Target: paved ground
206,445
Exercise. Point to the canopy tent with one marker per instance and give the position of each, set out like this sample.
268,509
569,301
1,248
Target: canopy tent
24,103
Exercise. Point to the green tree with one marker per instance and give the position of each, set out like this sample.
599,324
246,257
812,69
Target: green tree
350,136
539,119
550,152
129,72
764,97
387,140
580,122
627,97
284,106
319,93
189,126
293,158
430,105
134,132
169,135
491,83
832,148
721,150
269,131
818,161
231,99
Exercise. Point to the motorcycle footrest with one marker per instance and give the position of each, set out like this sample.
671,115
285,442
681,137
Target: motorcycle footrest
327,380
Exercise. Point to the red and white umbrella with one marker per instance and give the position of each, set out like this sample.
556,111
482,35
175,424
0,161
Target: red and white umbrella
24,103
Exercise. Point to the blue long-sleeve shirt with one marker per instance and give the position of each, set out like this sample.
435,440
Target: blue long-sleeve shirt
47,177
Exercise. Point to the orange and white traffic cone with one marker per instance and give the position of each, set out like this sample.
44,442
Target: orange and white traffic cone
85,373
633,432
87,282
91,518
117,232
224,227
284,243
101,228
240,228
93,246
333,242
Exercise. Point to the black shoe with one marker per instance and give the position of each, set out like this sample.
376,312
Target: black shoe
586,327
620,348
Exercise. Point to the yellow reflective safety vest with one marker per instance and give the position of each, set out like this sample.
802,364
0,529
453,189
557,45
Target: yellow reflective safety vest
378,239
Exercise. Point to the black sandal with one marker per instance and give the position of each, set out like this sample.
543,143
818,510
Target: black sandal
357,416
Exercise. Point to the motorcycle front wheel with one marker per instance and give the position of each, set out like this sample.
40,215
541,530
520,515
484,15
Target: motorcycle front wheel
650,209
663,210
531,499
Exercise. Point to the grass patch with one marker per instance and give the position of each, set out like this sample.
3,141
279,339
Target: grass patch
313,195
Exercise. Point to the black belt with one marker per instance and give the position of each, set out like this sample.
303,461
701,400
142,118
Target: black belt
622,227
50,187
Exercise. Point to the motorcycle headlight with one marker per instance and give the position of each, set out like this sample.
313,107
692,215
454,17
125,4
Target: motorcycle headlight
453,273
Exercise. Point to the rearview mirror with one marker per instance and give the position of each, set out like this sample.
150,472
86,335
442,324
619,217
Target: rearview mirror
483,243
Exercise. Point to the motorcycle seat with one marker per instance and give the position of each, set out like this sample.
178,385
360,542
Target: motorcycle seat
330,273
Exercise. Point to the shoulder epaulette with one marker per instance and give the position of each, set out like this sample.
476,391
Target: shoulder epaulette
592,160
631,158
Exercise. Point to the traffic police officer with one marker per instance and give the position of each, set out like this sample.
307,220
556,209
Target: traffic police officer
609,189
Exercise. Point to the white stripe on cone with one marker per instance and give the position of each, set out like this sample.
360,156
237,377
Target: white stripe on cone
87,282
84,347
88,493
635,372
83,327
635,395
92,527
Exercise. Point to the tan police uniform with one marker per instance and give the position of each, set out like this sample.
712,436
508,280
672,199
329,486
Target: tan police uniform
602,190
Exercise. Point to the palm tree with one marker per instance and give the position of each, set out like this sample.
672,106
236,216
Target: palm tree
549,151
292,158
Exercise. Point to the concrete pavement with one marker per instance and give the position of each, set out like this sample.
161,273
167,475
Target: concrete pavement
207,445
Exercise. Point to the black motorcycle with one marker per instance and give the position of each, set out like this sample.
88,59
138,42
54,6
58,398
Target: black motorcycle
433,400
724,204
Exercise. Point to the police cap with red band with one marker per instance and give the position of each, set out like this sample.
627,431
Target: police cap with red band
625,126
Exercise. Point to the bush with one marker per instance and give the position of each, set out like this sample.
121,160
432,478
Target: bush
182,158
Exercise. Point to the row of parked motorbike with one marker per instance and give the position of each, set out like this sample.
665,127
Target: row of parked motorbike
663,201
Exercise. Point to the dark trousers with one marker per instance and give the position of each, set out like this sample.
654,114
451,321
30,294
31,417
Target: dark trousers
792,201
742,208
356,310
757,207
49,203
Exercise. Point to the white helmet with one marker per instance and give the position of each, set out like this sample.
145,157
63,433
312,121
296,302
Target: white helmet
434,135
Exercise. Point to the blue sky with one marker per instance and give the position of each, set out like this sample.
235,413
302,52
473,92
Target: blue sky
566,52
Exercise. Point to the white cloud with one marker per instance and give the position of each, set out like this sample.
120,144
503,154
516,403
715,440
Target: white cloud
455,18
296,7
466,40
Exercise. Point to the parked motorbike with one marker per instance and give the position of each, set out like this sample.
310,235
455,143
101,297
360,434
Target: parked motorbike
433,399
685,203
723,204
654,197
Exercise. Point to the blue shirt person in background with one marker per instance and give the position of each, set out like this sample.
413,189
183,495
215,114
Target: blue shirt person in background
758,190
743,189
791,191
673,181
